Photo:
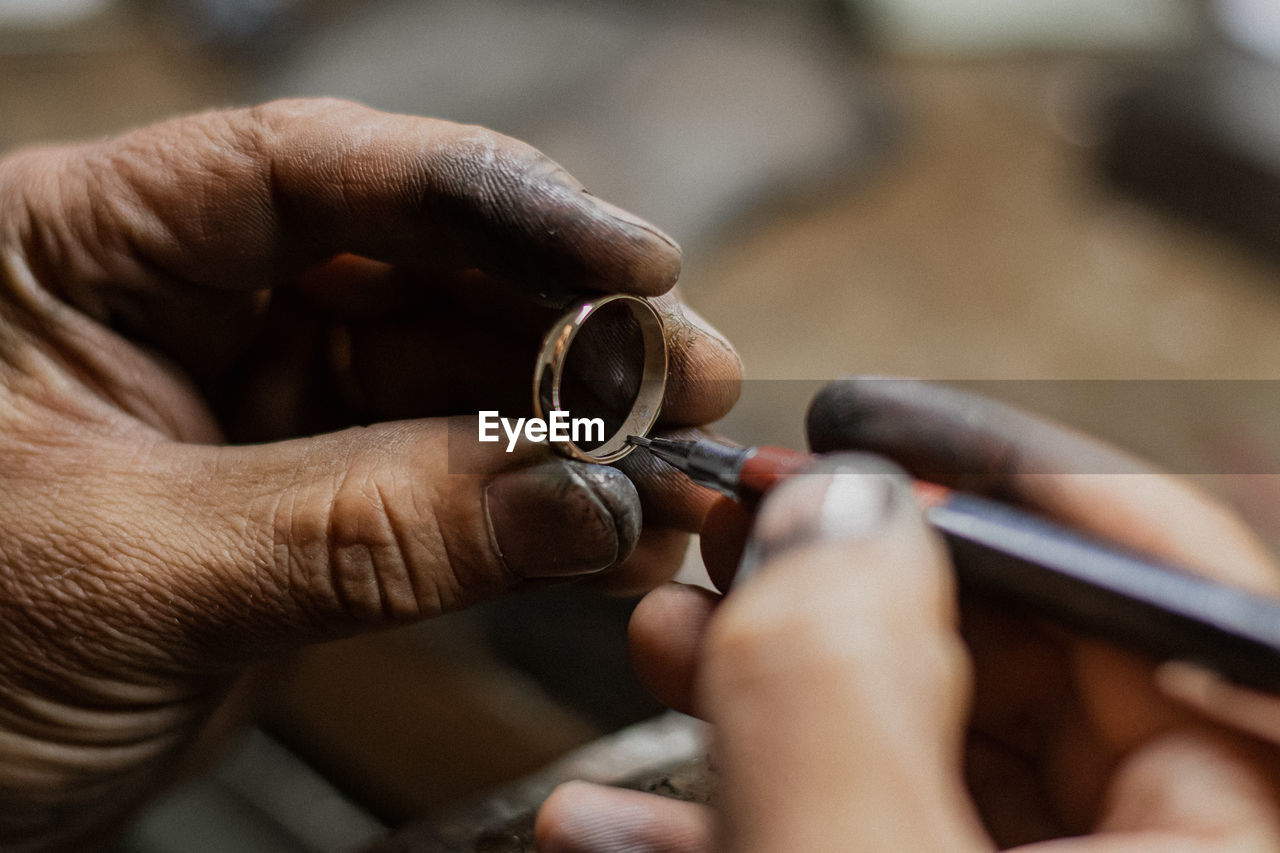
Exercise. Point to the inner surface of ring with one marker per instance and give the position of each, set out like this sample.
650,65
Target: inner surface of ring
604,369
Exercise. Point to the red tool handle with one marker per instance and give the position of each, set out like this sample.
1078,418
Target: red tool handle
771,465
729,522
767,467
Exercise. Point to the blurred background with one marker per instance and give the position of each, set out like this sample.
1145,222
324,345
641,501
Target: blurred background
1074,204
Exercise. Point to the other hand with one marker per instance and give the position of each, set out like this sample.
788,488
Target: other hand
858,707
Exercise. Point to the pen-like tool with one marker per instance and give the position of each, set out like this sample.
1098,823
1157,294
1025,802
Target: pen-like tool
1044,569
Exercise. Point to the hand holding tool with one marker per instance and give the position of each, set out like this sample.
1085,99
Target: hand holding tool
1045,569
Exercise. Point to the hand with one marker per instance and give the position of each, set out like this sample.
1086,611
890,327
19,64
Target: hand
853,714
258,275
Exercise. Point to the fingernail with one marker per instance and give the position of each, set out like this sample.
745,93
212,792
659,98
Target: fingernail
628,218
848,496
562,518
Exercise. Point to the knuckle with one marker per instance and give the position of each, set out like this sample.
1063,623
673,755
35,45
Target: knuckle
280,114
374,543
301,135
362,551
298,521
351,546
365,545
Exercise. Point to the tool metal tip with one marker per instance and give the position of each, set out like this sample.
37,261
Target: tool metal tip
638,440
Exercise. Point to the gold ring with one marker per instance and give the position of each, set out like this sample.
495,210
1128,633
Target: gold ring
549,375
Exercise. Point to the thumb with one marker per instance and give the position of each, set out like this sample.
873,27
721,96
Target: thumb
318,537
835,676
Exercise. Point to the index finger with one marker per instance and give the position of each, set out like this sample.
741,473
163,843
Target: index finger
236,199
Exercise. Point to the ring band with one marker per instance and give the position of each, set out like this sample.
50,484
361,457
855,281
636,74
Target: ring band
549,374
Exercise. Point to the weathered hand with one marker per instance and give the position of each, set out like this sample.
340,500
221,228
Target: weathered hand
259,275
854,713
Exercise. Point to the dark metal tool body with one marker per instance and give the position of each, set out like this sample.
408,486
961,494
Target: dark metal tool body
1046,570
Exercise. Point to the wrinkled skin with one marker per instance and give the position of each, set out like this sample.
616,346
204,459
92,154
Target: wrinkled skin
303,268
859,705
